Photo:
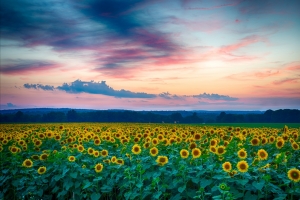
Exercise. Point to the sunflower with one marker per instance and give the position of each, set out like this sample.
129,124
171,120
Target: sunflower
80,148
227,166
162,160
213,142
232,173
153,151
104,153
271,139
255,142
172,141
96,154
295,136
220,158
57,137
97,142
242,166
155,141
42,170
107,161
196,153
262,154
295,146
35,157
21,142
160,137
98,167
43,156
279,144
197,136
264,140
14,149
136,149
146,145
223,186
90,151
136,139
212,149
27,163
124,141
71,158
41,136
192,145
294,175
83,166
184,153
242,154
113,159
226,143
120,161
37,143
165,142
4,142
220,150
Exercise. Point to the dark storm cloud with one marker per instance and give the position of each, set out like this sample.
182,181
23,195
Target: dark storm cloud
128,21
112,14
215,97
87,25
50,23
19,66
60,24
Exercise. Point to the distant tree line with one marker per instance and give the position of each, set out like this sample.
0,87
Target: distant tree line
98,116
270,116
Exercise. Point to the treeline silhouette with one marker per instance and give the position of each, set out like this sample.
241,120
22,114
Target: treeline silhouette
270,116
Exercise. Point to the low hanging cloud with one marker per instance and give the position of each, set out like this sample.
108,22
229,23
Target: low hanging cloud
39,86
215,97
167,95
11,105
92,87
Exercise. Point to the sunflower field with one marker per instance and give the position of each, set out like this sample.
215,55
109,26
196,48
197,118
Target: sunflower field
148,161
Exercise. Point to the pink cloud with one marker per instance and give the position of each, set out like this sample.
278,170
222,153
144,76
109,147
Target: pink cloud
253,75
244,42
295,66
286,80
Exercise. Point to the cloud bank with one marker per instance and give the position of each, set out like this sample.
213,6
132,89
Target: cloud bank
102,88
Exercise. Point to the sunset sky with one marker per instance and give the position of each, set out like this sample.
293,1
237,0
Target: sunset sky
151,54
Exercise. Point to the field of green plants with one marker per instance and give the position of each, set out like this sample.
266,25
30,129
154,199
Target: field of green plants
148,161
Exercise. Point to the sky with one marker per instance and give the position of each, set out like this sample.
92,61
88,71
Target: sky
150,54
